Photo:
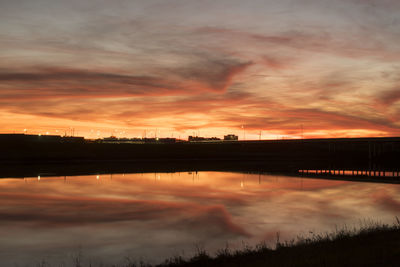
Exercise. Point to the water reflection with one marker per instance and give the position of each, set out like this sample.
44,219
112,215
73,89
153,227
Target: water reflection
156,215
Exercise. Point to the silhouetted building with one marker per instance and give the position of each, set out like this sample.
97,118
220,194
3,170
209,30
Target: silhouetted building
149,140
40,138
72,139
125,140
167,140
231,137
111,139
202,139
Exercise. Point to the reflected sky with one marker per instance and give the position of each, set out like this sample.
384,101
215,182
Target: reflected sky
155,216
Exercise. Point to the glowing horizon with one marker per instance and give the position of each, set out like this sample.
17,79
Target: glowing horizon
288,69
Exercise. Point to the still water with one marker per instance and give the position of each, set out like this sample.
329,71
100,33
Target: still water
153,216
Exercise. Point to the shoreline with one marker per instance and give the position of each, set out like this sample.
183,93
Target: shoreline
77,168
373,245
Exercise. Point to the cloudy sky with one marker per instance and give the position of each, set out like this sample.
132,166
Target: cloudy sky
178,67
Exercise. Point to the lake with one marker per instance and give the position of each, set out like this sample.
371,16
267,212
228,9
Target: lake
152,216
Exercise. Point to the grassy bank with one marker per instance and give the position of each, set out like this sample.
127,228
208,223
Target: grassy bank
373,245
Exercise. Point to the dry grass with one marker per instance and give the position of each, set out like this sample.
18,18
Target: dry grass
370,244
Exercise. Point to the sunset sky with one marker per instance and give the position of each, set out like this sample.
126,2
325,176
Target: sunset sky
331,67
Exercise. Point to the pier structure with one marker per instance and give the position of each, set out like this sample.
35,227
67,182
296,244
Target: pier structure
367,173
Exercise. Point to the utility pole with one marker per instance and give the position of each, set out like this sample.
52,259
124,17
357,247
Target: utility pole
302,134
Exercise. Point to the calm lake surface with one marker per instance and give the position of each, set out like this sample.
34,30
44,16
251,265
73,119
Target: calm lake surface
153,216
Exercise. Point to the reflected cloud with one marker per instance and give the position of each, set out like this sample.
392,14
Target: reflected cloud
178,210
387,201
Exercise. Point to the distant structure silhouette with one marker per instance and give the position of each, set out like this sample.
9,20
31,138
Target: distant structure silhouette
202,139
40,138
231,137
124,140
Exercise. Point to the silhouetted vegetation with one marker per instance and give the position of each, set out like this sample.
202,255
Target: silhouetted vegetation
373,245
369,245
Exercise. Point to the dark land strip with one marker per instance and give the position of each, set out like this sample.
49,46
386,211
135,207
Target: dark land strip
21,157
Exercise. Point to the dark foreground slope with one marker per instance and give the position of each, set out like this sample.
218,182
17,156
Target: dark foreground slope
377,245
373,246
